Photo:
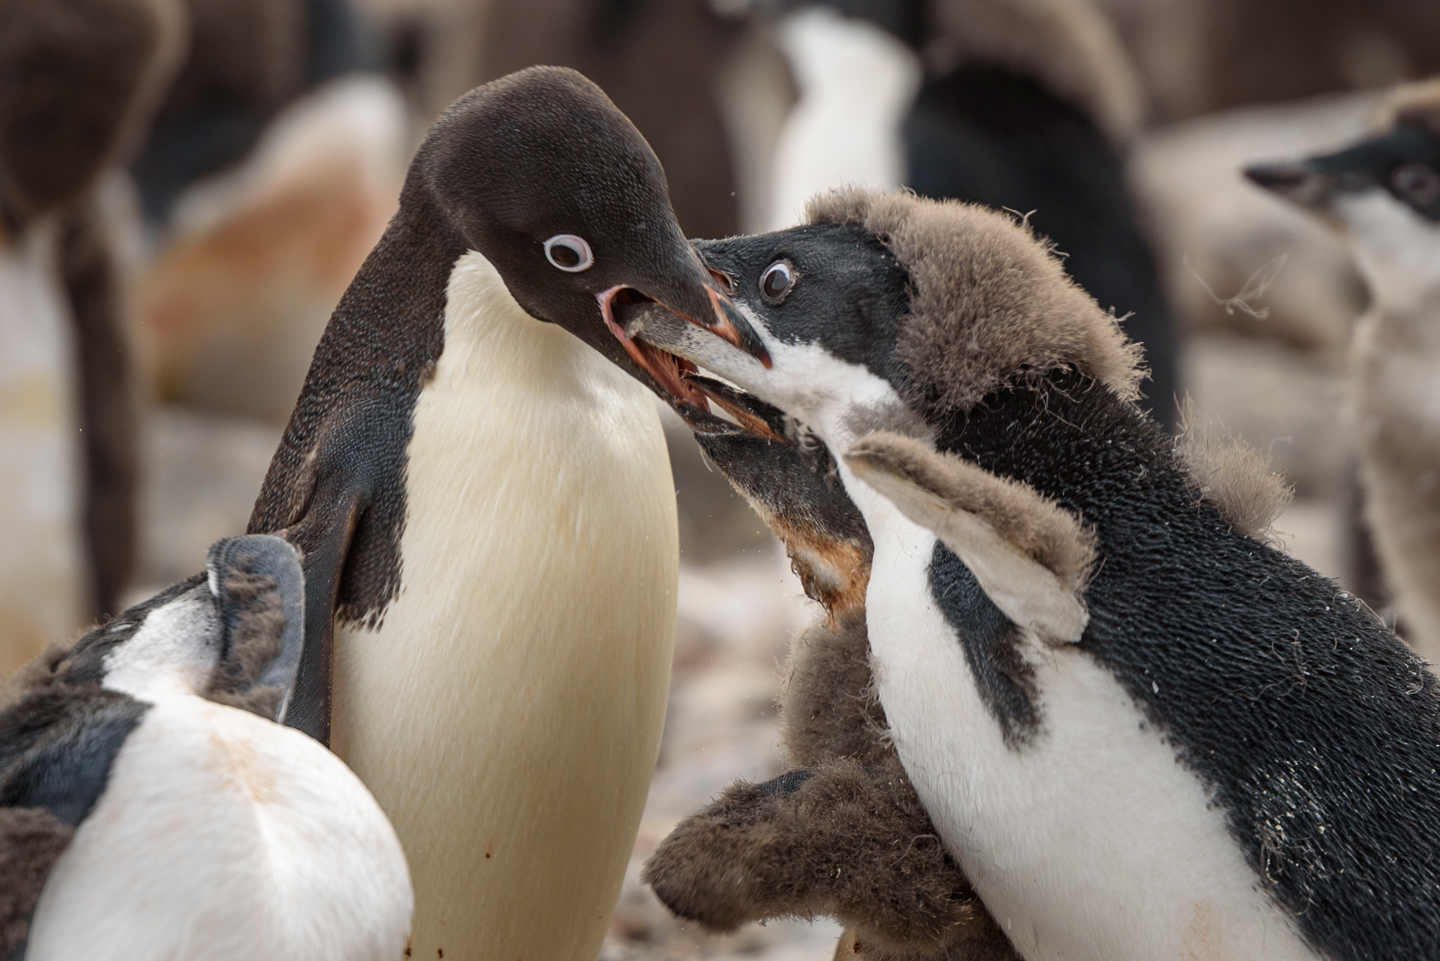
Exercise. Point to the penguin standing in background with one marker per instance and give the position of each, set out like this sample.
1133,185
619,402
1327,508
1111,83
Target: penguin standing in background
1141,732
150,806
478,480
1029,105
1384,193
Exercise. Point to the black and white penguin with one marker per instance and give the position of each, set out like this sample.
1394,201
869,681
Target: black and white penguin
479,482
1384,194
1030,105
1142,733
151,806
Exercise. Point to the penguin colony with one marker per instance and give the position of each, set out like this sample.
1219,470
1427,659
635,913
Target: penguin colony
1140,732
151,806
1384,193
1137,730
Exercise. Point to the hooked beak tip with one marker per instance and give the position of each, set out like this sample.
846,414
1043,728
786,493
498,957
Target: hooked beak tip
731,326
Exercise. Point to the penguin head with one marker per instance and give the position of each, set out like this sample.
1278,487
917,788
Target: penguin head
1383,192
889,311
547,179
233,635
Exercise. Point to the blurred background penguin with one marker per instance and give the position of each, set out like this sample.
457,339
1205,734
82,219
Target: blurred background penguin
187,186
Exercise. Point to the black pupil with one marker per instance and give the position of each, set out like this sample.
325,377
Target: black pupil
777,279
565,255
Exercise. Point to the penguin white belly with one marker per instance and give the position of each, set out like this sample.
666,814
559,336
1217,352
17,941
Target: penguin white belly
224,836
507,711
1089,842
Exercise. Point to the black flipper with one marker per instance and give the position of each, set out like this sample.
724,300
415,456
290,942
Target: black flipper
260,589
309,708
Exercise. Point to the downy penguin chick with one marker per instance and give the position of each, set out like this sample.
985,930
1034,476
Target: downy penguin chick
1384,194
1219,753
485,504
151,806
842,834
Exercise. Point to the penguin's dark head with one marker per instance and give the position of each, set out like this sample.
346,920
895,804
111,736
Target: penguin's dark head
547,179
890,311
1383,192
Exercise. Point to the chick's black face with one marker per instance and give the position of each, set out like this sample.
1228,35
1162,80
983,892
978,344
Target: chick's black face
834,285
558,190
1405,162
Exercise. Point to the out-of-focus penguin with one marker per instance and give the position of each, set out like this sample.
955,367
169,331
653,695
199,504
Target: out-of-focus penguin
151,806
1029,105
1141,732
479,482
1384,193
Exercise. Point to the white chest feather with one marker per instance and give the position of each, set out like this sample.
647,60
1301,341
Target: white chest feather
507,713
1089,842
270,848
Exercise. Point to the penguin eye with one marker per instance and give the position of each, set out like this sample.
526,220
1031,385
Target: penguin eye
777,280
569,252
1418,184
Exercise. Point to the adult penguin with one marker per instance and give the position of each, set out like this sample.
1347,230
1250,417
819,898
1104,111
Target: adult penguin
1384,193
1141,732
481,490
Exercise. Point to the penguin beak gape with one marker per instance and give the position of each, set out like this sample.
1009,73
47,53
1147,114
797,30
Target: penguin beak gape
714,314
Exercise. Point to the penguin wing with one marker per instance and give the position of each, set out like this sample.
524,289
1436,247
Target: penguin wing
328,530
259,587
1030,556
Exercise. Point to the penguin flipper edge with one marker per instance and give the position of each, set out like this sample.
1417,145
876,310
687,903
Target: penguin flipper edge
1031,556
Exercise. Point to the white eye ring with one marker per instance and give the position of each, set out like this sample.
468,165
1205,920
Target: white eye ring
569,253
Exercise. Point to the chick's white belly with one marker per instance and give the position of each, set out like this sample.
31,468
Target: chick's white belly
1089,842
223,836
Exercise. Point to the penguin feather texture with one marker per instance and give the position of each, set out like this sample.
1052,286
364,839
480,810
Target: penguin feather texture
1232,477
1030,522
987,301
31,841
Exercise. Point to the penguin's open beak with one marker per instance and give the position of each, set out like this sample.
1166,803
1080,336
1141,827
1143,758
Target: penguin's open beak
699,302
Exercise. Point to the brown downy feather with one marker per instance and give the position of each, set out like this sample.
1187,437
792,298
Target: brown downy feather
850,842
1231,476
254,643
828,706
1032,523
1069,46
36,674
31,841
990,304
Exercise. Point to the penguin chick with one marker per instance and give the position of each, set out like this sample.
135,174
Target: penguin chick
1384,194
843,833
151,806
1198,774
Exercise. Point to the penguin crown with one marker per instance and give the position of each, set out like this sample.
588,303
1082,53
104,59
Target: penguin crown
988,301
